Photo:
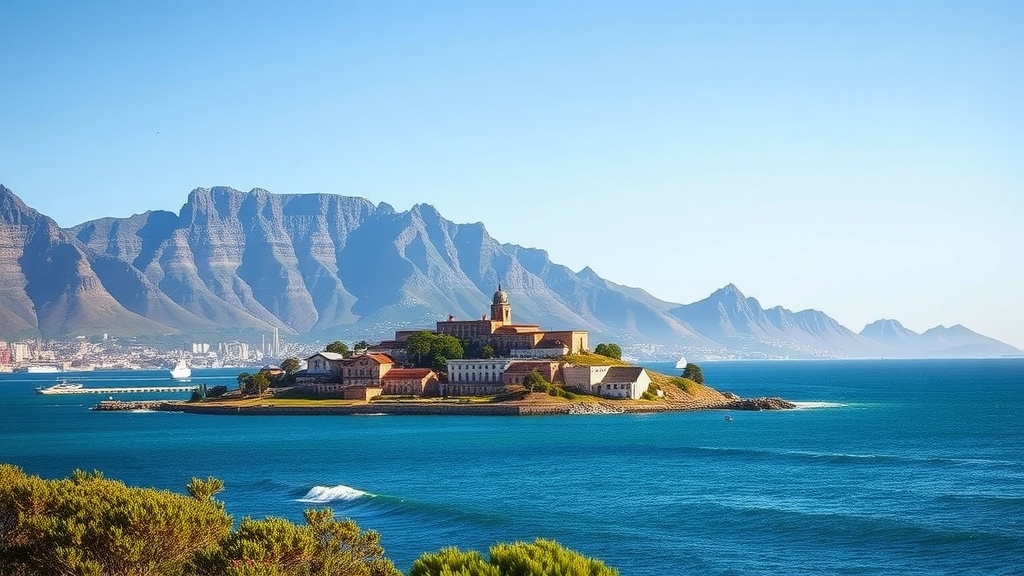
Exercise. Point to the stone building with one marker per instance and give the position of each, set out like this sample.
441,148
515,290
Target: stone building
503,336
515,372
410,382
365,369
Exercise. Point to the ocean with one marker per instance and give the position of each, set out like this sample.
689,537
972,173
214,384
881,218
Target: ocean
889,466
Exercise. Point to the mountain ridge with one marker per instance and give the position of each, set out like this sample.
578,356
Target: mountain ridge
323,266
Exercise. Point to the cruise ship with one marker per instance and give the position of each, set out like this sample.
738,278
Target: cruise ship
181,371
64,387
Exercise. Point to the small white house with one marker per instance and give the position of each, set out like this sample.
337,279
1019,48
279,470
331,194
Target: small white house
324,364
608,381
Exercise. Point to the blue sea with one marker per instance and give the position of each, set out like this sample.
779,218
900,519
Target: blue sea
889,467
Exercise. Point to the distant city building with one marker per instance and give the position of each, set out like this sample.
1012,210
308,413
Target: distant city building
22,351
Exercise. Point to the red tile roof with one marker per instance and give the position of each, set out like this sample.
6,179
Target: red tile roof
407,373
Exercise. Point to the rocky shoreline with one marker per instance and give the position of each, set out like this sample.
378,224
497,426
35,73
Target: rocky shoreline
394,408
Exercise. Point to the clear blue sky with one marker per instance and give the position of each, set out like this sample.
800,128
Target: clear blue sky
862,158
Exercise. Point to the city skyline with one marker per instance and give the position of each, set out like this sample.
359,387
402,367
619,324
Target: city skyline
862,159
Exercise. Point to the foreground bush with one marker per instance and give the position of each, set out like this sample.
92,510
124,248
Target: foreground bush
87,525
540,558
90,526
275,546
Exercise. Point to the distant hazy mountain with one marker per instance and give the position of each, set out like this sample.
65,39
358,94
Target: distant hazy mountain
739,322
954,342
324,266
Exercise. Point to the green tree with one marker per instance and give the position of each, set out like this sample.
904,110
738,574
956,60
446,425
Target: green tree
539,558
693,372
337,347
277,547
361,346
256,384
418,347
429,350
610,350
444,348
88,525
532,380
290,365
487,351
217,391
243,379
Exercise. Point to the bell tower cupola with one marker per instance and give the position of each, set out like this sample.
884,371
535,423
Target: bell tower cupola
501,311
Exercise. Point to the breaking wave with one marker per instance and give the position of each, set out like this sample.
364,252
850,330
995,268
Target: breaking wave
810,405
324,494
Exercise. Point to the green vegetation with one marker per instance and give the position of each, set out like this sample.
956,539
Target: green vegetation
593,360
535,382
652,392
686,385
541,557
610,350
253,384
361,346
91,526
338,347
217,391
429,350
693,372
87,525
290,365
275,546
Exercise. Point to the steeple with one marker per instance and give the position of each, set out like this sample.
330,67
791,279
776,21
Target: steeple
501,311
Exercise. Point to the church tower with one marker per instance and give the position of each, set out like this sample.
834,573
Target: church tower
501,311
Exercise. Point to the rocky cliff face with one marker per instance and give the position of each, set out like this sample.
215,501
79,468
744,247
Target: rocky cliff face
325,266
49,285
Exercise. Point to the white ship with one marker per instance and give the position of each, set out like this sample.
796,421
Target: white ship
63,387
181,371
41,369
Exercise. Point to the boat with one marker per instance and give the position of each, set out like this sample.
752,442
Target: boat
62,387
681,363
41,369
181,371
728,418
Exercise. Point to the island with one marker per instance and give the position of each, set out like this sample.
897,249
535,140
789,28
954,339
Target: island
490,366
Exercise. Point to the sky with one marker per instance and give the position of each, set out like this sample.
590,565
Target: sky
861,158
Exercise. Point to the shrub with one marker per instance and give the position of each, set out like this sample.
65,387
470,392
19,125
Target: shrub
539,558
693,372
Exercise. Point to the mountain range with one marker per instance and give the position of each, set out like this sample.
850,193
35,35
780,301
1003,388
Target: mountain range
328,267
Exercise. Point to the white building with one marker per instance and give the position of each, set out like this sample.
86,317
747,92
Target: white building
475,376
608,381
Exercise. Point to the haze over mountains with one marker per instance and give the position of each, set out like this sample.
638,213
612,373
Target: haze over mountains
330,267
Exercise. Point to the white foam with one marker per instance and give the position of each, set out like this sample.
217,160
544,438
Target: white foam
323,494
141,411
810,405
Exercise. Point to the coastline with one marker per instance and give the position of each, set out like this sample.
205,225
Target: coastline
446,408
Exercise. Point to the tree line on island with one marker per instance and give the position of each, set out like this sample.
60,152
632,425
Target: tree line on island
88,525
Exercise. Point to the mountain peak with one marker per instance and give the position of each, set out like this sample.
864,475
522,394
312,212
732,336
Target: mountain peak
729,290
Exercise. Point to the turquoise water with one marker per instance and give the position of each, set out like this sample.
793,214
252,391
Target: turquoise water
912,467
